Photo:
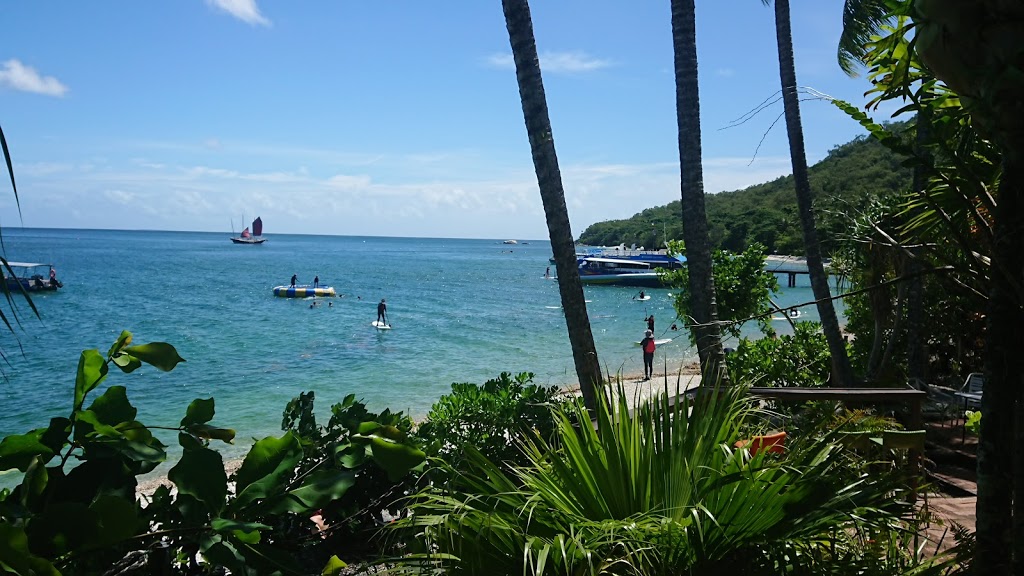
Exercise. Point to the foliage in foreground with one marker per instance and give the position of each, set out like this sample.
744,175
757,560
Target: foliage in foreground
662,492
799,359
76,510
489,418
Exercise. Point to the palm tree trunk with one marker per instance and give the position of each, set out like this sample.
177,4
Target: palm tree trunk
704,324
916,353
819,281
549,179
1000,491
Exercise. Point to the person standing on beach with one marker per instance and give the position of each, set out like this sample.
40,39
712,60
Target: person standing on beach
382,312
294,278
650,323
648,346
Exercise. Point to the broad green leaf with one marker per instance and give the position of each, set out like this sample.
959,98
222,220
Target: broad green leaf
88,425
118,520
19,450
227,525
212,432
200,474
123,340
113,407
366,428
396,459
127,363
189,442
92,369
199,412
34,484
247,532
334,567
318,490
53,534
15,556
267,466
351,456
221,553
57,434
160,355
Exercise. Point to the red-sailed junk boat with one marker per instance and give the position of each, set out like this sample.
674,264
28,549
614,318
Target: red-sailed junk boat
255,238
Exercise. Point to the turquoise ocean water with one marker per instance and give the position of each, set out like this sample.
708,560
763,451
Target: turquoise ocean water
462,310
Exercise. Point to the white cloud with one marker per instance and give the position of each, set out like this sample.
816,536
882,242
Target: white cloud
119,196
726,72
575,61
346,182
244,10
17,76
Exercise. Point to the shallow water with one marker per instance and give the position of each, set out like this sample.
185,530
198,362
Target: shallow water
461,310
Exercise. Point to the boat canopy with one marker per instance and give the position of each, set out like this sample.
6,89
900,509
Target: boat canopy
27,265
619,262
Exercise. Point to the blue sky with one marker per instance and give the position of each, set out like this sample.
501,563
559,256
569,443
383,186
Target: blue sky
384,118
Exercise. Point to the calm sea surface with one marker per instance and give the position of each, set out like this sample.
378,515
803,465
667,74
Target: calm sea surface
462,311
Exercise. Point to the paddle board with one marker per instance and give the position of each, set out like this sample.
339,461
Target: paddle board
644,298
380,325
658,342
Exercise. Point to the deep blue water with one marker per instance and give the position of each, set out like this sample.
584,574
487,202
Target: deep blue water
462,310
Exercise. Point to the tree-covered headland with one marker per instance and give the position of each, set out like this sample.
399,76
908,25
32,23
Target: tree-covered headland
843,183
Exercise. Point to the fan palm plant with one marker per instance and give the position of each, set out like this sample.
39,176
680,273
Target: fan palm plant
656,491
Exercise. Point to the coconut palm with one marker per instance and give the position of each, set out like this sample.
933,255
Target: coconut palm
862,19
841,369
701,290
661,491
545,163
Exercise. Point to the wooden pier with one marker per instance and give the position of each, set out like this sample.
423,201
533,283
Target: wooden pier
790,266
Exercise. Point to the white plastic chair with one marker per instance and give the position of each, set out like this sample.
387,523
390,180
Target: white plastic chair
972,389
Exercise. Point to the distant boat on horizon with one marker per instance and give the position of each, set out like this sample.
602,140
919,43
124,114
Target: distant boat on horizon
256,237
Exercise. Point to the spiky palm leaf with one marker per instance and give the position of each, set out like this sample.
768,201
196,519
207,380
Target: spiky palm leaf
660,491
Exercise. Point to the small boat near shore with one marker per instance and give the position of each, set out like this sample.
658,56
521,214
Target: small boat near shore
28,276
305,291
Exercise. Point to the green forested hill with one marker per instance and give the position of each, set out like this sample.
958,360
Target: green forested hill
767,213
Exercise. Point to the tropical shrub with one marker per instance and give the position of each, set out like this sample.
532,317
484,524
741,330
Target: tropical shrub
743,287
800,359
76,509
661,492
489,418
375,452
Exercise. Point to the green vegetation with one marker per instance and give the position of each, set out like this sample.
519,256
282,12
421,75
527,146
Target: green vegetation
842,184
743,288
487,418
76,510
515,482
663,492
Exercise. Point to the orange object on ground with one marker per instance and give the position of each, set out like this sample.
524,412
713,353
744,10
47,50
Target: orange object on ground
771,443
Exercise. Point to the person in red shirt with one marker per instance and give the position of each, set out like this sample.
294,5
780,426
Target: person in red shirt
647,345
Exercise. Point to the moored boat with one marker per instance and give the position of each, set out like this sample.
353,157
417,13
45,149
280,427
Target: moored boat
256,237
655,258
304,291
617,272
